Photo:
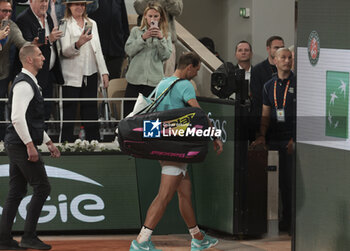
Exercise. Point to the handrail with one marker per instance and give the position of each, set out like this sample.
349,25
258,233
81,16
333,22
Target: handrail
82,99
192,43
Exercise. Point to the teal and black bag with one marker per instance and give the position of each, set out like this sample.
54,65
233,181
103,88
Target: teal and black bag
175,135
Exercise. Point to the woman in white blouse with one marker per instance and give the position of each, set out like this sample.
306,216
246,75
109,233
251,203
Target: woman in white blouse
83,68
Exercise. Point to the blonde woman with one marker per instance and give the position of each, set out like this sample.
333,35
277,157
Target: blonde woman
148,46
83,68
173,9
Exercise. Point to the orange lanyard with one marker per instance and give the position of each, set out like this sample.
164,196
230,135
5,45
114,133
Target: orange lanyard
285,94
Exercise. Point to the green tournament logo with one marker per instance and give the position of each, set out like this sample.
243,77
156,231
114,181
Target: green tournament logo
337,104
313,48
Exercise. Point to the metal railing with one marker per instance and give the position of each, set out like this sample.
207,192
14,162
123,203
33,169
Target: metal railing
108,122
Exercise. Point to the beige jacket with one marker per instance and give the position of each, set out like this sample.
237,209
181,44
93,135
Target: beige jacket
71,62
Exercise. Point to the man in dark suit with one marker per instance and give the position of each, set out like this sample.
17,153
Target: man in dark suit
261,73
30,21
113,29
243,54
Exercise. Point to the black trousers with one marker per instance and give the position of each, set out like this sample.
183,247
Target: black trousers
132,91
23,172
114,66
47,92
286,165
3,94
88,109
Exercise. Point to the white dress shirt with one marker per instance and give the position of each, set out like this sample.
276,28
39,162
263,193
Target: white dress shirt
86,53
83,62
23,93
47,34
247,73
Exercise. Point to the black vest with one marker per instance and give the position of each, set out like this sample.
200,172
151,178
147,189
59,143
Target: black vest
34,114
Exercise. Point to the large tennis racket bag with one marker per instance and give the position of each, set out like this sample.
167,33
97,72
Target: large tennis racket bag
177,135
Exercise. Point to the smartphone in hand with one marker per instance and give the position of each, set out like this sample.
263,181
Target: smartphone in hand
87,27
41,36
4,23
154,23
62,26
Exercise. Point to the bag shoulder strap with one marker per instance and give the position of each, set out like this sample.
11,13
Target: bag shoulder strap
153,93
162,96
155,103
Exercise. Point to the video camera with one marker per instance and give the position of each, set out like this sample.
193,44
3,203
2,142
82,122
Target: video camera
228,79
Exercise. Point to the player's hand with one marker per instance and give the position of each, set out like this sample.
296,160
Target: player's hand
218,146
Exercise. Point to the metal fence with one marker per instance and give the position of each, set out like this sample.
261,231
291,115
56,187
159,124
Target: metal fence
108,117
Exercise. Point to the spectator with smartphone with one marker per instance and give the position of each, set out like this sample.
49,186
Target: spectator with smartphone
81,51
148,47
31,22
13,50
172,8
10,35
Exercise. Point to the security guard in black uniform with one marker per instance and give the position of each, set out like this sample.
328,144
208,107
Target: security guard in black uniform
278,117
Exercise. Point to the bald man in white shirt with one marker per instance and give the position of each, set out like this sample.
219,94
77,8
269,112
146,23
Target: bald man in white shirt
25,132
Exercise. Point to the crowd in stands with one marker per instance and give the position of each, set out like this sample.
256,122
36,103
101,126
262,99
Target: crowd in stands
87,49
81,53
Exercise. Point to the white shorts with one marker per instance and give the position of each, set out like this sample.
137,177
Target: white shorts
174,170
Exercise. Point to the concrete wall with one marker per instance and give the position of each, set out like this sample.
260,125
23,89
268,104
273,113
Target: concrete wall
238,28
220,20
130,7
271,17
